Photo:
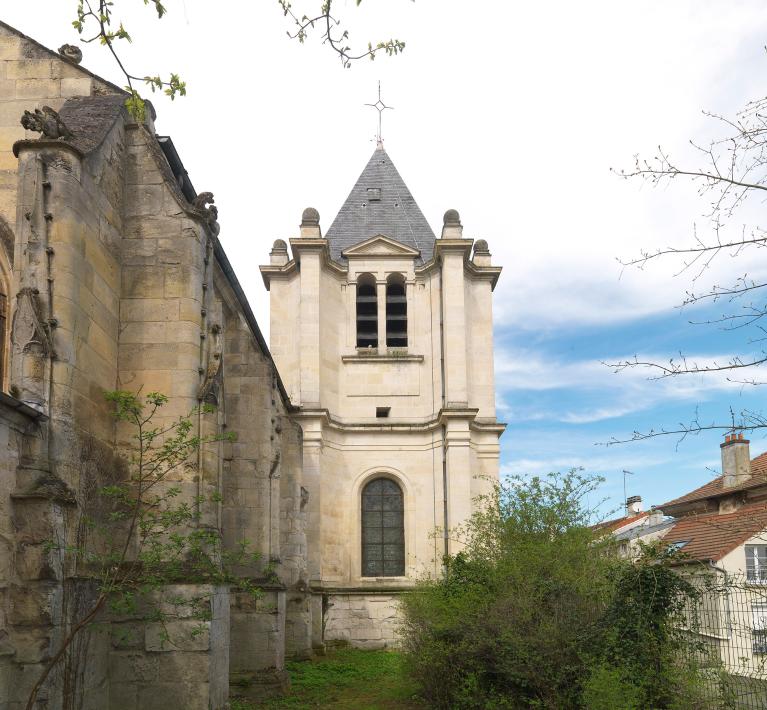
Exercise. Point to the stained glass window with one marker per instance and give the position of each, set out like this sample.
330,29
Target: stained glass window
383,529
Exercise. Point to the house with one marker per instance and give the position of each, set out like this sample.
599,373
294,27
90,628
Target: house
720,531
635,526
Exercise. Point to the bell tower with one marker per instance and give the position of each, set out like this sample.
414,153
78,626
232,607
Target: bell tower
383,335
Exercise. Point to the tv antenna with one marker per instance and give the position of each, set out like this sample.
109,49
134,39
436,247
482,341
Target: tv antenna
625,499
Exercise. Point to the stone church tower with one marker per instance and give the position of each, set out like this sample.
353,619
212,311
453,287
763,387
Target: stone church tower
382,334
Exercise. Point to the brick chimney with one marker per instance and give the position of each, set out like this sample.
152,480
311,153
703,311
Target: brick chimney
736,460
633,505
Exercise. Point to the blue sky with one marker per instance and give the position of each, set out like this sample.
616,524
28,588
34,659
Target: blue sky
563,404
512,113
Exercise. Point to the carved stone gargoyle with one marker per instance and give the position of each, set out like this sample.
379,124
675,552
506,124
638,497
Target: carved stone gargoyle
204,203
71,52
46,122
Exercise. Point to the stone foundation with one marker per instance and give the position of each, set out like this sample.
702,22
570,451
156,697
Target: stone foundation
181,662
367,621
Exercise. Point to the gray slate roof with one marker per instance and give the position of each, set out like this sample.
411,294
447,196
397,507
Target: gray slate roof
396,215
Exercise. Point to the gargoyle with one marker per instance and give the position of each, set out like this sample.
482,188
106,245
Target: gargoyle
71,52
204,203
46,122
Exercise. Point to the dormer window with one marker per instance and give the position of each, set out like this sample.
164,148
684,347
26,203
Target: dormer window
396,312
367,312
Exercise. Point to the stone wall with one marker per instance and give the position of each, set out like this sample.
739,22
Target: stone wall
118,282
21,553
32,76
180,662
367,621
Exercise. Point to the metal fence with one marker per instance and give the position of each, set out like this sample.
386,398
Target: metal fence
724,633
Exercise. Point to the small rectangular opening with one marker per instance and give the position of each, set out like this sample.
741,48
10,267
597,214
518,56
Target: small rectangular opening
382,412
374,194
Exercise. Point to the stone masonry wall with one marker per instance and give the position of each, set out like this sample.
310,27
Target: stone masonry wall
119,282
362,620
179,663
16,431
31,76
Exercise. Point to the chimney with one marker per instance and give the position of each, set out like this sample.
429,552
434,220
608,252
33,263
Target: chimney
633,505
655,517
736,460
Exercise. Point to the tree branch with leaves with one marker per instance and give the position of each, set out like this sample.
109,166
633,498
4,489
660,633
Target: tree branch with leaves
145,537
95,22
334,36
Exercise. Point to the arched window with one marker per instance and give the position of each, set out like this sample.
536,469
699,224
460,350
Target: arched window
396,312
367,312
383,529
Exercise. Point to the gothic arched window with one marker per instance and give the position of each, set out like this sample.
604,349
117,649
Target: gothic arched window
396,312
367,312
383,529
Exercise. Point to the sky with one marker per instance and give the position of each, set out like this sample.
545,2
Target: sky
514,114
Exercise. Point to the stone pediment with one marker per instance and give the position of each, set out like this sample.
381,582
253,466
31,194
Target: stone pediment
380,245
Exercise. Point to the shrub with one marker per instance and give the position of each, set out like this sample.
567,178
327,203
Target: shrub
535,611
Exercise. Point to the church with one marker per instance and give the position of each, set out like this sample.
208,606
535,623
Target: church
383,336
363,432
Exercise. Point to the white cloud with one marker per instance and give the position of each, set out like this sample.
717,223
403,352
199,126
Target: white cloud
619,393
589,416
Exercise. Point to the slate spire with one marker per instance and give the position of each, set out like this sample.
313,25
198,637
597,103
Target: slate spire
380,203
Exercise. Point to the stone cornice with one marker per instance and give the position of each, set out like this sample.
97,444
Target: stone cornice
43,143
490,273
10,404
323,416
452,245
378,586
273,271
382,358
483,273
307,244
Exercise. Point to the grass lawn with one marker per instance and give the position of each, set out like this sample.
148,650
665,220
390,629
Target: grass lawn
348,679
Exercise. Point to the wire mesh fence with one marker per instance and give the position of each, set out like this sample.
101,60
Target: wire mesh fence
724,637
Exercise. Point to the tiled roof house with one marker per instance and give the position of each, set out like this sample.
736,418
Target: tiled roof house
724,519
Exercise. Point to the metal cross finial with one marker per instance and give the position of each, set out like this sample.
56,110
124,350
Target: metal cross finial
379,106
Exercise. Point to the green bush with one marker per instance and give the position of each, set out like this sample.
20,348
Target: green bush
535,611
